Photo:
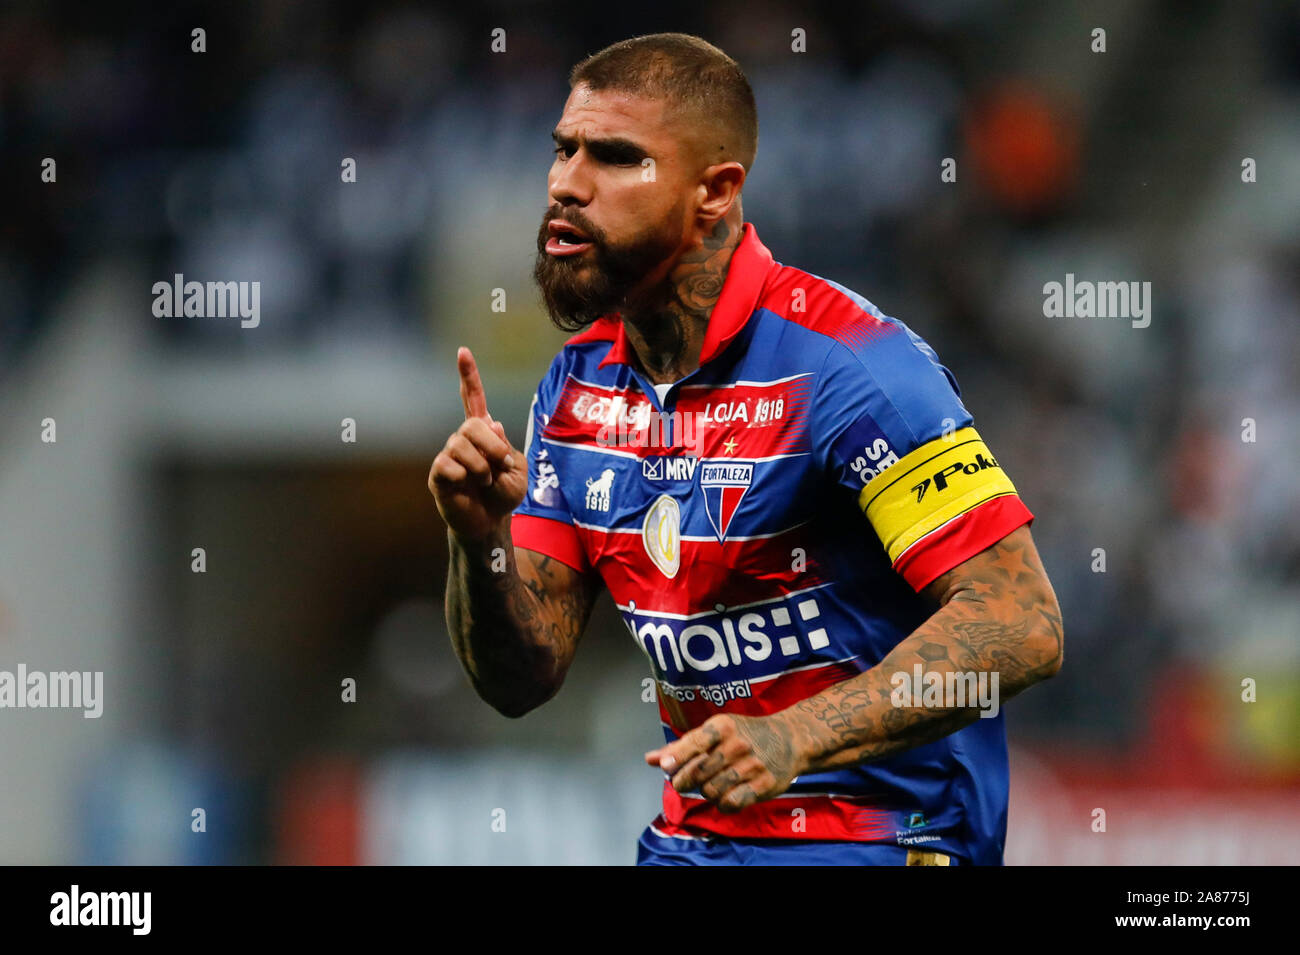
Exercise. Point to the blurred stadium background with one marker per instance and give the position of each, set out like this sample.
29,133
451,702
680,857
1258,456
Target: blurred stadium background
326,559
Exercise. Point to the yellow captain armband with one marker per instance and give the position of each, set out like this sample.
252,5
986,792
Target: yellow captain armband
928,487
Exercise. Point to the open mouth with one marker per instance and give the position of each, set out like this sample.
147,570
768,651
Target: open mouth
565,239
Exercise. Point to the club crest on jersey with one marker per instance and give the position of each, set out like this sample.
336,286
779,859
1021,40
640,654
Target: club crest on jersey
724,484
599,490
661,535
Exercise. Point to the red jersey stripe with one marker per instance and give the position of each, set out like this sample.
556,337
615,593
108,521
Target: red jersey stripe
834,818
961,539
553,538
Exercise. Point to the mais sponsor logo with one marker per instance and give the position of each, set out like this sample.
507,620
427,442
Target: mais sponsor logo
723,640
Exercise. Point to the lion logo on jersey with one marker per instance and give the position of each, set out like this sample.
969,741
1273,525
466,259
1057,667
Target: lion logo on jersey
598,490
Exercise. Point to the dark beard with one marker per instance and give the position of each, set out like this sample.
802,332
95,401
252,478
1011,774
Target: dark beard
610,271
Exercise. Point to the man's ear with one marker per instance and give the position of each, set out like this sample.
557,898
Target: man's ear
719,190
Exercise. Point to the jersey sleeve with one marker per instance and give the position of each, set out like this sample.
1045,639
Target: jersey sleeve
543,521
894,431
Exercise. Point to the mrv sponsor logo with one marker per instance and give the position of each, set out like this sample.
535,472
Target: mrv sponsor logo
182,299
722,640
75,907
946,690
676,468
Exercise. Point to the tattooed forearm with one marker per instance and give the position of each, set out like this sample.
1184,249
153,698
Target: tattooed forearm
514,623
998,616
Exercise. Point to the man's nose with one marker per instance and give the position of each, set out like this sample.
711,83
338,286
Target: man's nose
571,182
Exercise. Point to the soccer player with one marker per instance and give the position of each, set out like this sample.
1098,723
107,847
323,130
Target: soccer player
829,572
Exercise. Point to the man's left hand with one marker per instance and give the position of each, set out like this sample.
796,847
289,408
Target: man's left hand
734,761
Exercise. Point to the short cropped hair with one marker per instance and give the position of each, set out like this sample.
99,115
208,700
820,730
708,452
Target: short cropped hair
688,73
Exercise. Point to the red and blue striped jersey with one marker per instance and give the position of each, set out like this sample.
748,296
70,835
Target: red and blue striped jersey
766,529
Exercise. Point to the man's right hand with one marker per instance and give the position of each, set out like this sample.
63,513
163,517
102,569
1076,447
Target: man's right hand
516,628
477,479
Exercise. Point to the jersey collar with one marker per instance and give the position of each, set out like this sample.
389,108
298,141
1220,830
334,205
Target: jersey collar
746,275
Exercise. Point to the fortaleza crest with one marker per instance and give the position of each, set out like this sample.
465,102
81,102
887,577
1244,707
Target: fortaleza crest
724,484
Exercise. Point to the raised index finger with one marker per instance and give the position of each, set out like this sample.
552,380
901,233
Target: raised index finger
472,396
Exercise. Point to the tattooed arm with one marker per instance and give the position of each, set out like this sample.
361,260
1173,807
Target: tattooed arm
515,615
998,614
515,627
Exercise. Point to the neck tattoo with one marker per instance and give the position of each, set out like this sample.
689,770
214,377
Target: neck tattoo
667,333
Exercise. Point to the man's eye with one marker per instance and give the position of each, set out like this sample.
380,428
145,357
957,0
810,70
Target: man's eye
562,152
